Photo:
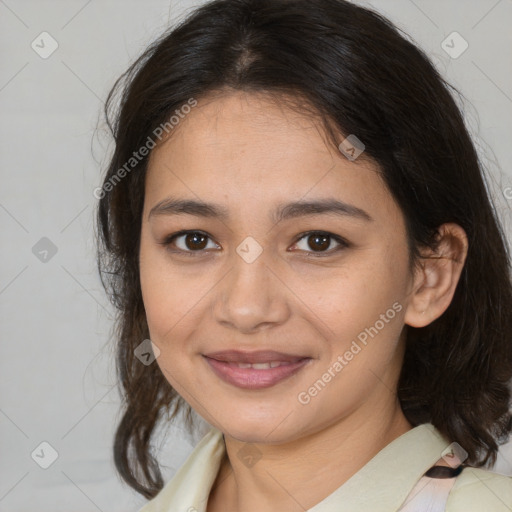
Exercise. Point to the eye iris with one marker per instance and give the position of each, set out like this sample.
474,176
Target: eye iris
322,245
191,241
317,242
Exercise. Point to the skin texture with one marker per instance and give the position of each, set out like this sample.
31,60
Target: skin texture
248,154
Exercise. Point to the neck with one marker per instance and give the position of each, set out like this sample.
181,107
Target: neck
297,475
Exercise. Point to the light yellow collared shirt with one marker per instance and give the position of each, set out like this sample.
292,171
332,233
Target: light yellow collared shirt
381,485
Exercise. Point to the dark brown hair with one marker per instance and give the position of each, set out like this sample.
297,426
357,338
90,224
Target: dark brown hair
364,77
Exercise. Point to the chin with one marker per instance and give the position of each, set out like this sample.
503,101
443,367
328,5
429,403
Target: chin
260,431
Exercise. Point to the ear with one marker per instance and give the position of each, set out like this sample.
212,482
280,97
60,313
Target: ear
436,278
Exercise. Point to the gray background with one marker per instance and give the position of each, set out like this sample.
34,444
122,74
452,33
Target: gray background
57,379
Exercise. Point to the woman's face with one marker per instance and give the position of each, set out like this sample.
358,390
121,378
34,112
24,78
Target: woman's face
250,278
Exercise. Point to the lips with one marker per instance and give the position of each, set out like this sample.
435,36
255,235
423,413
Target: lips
255,370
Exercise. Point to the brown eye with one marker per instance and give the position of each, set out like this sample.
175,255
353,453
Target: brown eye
188,242
318,242
194,241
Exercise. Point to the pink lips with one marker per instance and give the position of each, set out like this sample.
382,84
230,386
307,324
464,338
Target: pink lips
225,365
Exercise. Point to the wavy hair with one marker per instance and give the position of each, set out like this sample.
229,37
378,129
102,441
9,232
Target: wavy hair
363,76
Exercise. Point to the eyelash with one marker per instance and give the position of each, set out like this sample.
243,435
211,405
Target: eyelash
343,244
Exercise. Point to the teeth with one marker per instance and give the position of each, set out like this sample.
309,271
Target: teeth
261,366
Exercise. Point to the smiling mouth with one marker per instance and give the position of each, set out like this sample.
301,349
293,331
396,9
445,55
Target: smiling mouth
255,375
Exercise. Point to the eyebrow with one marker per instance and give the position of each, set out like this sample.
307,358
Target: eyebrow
175,206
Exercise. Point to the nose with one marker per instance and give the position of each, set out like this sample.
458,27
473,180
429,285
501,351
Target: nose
251,297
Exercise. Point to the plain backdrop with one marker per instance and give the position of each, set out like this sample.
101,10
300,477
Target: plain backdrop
57,379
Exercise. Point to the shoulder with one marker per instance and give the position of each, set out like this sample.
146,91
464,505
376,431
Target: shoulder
477,490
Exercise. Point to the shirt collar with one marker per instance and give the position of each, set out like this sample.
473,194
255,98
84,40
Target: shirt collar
381,485
384,482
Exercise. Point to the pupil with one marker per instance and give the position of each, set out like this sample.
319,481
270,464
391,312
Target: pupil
320,245
198,241
193,239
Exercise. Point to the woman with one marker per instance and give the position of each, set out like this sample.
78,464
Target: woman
296,217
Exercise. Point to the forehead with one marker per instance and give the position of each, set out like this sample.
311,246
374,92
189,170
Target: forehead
238,125
251,150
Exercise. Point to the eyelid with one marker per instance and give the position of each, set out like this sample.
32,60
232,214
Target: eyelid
342,243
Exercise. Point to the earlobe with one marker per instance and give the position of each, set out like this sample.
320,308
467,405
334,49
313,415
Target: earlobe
437,276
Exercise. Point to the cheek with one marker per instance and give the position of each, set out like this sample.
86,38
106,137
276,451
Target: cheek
355,297
159,291
173,299
170,305
361,314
